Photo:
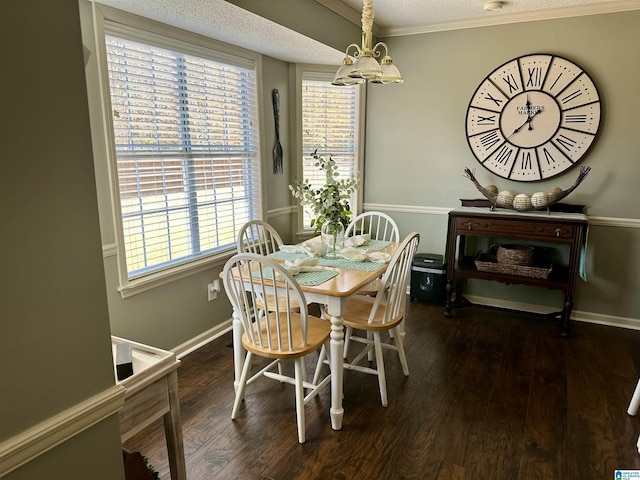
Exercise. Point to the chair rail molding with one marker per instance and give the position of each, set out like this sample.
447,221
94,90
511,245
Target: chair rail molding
42,437
279,212
422,209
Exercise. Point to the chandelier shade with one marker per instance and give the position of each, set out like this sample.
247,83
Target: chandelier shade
366,67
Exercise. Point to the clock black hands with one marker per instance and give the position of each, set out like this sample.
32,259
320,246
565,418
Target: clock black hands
528,120
529,116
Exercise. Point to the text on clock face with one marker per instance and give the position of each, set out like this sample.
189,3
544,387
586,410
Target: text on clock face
529,110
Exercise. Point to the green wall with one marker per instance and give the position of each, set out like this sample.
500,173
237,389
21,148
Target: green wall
55,348
419,127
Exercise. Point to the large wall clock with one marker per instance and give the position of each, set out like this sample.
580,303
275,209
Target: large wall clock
533,117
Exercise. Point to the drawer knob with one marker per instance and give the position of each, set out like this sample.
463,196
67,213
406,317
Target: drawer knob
557,232
469,226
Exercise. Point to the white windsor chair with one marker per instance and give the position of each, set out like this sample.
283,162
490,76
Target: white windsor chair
380,313
283,334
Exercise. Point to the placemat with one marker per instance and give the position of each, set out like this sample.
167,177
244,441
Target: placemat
365,266
375,245
329,262
310,279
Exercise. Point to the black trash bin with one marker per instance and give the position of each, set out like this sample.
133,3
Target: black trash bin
428,278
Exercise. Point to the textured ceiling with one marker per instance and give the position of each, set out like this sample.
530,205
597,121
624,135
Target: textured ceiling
229,23
392,15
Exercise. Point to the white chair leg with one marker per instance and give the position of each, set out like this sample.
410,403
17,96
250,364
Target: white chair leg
347,341
635,401
382,379
401,354
321,356
303,361
241,385
370,354
299,400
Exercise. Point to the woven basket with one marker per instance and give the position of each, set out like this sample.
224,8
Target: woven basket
516,255
486,262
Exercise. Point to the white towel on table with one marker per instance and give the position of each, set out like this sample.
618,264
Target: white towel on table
356,255
302,265
313,249
357,240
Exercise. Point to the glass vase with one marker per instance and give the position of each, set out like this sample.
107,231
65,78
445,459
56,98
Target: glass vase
332,234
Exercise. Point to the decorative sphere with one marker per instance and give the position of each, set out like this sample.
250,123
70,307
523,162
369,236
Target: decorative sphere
491,189
539,200
554,193
522,202
504,199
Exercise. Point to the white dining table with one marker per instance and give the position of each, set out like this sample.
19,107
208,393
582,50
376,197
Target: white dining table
334,294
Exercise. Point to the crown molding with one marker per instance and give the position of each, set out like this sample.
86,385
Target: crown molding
348,13
613,6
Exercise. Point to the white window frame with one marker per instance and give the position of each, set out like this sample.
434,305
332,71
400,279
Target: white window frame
324,73
108,20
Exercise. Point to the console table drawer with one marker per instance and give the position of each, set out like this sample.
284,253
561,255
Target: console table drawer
527,229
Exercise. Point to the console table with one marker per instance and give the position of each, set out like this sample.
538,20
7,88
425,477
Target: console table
536,226
152,393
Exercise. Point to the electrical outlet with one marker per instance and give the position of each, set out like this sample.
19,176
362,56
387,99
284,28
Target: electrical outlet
213,289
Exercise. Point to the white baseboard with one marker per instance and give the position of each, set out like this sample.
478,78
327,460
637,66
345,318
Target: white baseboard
576,315
202,339
42,437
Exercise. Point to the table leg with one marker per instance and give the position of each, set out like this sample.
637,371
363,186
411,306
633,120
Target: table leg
238,349
173,431
449,293
337,364
566,315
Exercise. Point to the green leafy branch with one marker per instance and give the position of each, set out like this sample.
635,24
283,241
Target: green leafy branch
329,202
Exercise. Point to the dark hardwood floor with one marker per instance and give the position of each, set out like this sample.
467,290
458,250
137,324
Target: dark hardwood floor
491,395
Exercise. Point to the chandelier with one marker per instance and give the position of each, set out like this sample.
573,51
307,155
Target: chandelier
366,68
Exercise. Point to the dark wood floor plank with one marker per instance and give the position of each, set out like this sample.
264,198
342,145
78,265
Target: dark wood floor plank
592,419
495,445
449,471
546,422
491,394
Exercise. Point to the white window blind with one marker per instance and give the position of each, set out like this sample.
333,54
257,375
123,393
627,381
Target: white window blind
187,151
330,125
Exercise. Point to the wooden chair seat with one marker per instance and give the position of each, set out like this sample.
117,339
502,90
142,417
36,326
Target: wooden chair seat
318,331
357,315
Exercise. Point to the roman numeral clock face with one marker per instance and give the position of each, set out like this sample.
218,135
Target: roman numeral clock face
533,117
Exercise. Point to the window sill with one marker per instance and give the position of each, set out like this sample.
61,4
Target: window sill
149,282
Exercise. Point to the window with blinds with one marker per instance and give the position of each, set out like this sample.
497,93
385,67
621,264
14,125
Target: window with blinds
330,125
185,130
